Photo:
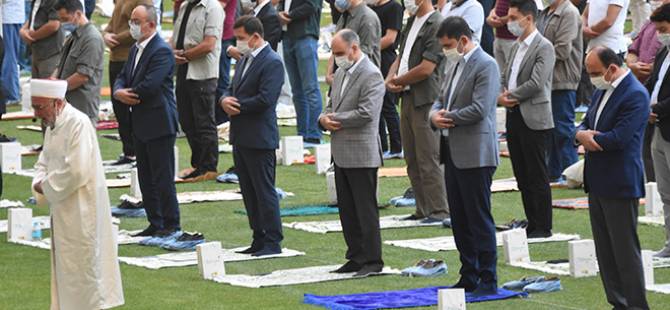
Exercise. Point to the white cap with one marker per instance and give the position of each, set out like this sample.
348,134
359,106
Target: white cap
48,88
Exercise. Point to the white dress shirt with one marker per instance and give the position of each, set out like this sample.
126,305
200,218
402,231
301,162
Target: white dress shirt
473,14
518,58
349,72
251,57
411,38
661,77
607,95
454,82
140,49
287,7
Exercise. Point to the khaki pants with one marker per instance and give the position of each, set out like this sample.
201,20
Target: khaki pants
502,48
44,68
421,147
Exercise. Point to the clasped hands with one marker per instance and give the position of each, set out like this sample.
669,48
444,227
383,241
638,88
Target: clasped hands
329,123
440,120
586,138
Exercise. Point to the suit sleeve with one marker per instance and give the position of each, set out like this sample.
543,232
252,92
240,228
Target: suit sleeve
486,88
370,99
632,114
543,68
272,29
160,66
272,79
120,81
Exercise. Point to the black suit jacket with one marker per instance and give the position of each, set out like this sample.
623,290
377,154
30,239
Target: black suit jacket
156,114
662,108
271,26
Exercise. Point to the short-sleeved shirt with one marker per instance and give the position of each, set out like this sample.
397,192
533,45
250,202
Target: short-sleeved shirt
473,13
44,11
83,53
13,11
205,19
613,37
390,16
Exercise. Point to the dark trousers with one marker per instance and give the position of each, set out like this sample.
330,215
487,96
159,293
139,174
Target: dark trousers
469,195
562,150
391,121
614,226
155,170
224,80
195,105
527,150
646,153
121,111
256,171
357,202
487,31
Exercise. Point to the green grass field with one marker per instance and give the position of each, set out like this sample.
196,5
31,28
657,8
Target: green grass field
25,271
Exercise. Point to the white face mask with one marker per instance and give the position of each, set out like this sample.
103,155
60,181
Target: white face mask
412,7
452,54
515,28
136,31
344,62
243,47
664,38
371,2
248,5
600,83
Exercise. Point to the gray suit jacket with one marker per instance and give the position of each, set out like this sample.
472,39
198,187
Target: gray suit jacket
533,89
357,143
473,142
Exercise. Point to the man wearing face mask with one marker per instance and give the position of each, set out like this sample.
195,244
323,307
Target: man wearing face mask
358,17
526,84
352,117
197,47
560,24
612,133
82,61
267,14
659,88
251,102
465,117
145,86
415,75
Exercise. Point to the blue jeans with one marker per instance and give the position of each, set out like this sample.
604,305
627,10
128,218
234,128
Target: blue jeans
224,80
301,60
9,77
562,151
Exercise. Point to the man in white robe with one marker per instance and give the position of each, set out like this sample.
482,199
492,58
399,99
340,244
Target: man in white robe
70,178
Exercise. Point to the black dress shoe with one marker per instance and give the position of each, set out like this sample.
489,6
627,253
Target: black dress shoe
148,232
468,287
165,232
412,217
350,266
250,250
123,160
267,251
539,234
194,174
486,289
369,270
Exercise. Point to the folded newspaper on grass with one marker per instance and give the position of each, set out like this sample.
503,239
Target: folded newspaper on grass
293,277
190,258
447,243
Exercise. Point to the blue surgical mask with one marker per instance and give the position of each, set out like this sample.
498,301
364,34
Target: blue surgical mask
68,27
342,5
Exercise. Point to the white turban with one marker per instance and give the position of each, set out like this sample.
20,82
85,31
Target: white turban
54,89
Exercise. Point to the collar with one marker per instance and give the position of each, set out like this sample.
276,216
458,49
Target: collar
260,6
618,81
142,45
62,117
467,56
355,65
198,2
529,39
453,6
257,51
78,31
425,17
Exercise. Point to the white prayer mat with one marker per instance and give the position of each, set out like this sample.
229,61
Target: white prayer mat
29,150
385,222
292,277
17,115
194,197
44,244
287,122
447,243
661,262
34,128
659,288
44,222
191,258
126,237
10,204
225,148
651,220
504,185
561,269
108,169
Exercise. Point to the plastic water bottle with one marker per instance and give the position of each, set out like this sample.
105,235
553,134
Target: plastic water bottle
37,231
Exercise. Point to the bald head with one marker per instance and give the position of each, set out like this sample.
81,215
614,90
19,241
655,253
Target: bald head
145,17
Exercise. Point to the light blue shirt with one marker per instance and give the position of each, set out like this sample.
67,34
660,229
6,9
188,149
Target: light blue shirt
13,11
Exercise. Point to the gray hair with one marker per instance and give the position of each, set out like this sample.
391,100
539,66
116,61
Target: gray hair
152,16
349,36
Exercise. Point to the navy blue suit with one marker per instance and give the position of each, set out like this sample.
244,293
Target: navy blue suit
154,126
614,179
255,136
